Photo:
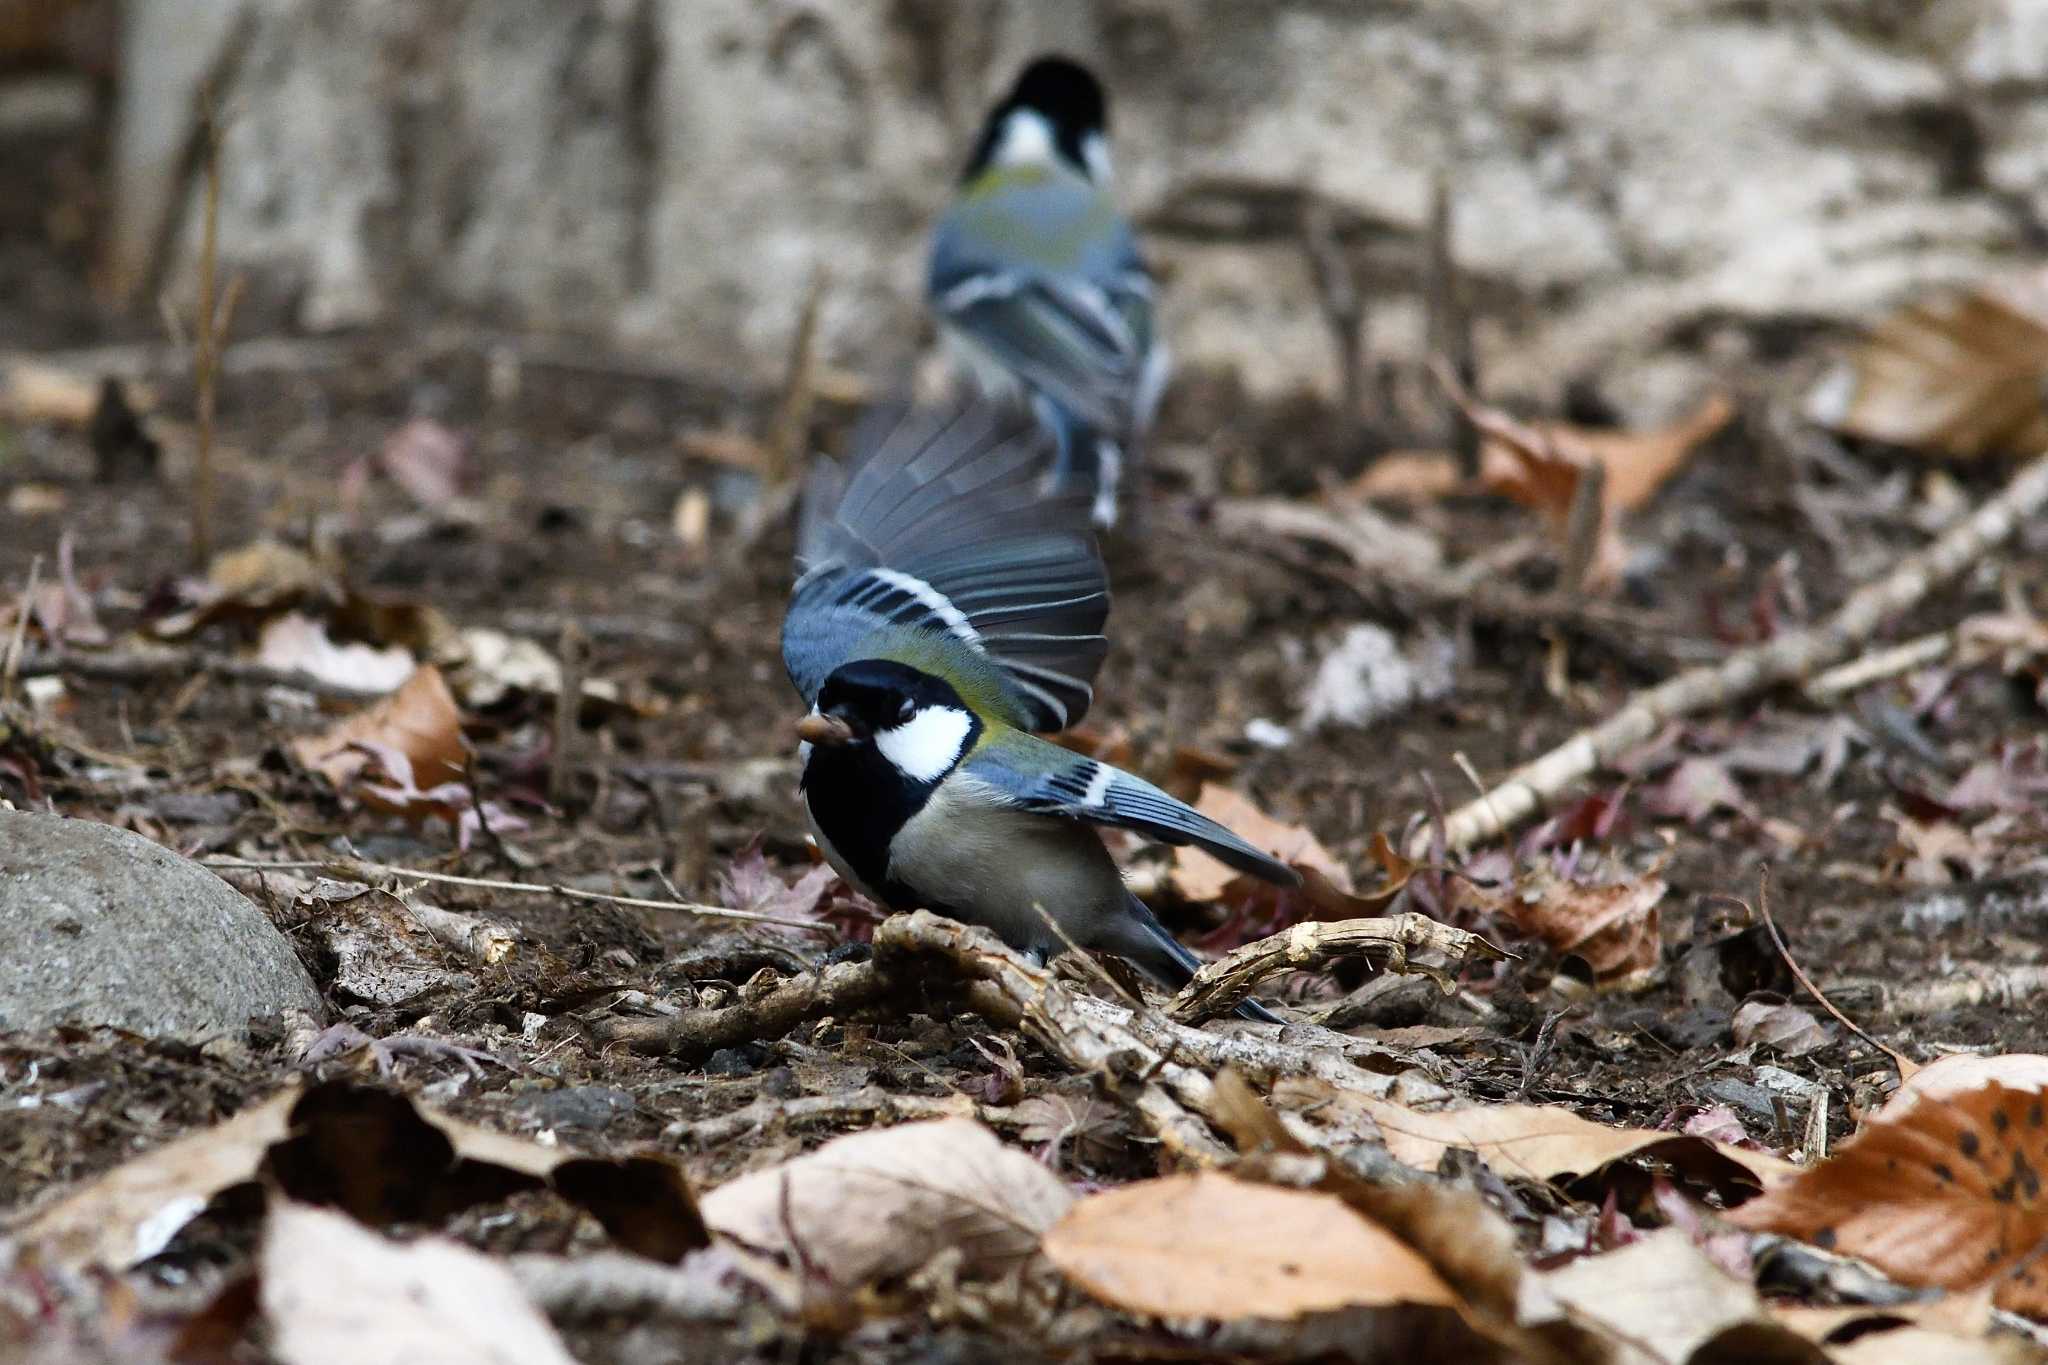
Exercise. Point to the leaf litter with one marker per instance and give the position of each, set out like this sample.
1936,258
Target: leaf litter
1524,1164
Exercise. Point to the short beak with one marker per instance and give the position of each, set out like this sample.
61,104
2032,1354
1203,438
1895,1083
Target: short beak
817,729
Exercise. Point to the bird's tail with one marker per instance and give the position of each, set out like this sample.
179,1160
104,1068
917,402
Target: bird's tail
1166,959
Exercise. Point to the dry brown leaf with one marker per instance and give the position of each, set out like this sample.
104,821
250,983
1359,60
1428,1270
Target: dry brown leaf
1406,475
1662,1299
1198,877
419,721
1541,464
1784,1028
1942,1188
369,1151
252,582
1542,1143
333,1290
884,1202
1615,928
1210,1246
1958,375
1964,1072
1922,1346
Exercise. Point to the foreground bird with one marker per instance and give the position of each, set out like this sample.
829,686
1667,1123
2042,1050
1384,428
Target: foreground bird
945,609
1038,284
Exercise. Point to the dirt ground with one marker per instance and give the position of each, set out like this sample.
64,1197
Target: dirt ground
578,464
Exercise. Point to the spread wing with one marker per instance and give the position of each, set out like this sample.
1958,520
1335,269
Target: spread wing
1040,776
941,541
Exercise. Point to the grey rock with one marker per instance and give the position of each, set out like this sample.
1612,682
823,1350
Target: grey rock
588,1108
104,927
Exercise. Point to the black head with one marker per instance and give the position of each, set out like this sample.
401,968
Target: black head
872,695
894,724
1067,97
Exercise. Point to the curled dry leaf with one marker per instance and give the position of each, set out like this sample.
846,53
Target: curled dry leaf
1616,928
332,1290
372,1153
1959,374
1210,1246
419,722
1942,1188
1541,1142
882,1203
496,667
251,583
1783,1028
1542,464
1199,878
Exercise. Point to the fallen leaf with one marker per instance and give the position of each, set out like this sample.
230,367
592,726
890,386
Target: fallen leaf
418,722
1544,1142
1615,928
382,953
1943,1187
332,1290
1198,877
34,391
1541,465
1408,476
750,884
1662,1299
251,583
1052,1120
1695,789
1958,374
883,1202
1210,1246
373,1153
1783,1028
428,460
497,667
300,644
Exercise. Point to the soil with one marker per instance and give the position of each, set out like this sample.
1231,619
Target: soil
579,462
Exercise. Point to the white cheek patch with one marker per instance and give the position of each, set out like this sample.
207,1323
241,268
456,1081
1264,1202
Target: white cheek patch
1026,140
925,747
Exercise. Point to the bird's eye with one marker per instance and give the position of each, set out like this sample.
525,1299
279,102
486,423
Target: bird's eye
905,711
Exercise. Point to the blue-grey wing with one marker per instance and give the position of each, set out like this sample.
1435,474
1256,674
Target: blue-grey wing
1046,278
1036,775
942,527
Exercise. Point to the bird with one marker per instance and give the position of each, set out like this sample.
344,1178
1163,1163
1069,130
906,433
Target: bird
948,612
1038,285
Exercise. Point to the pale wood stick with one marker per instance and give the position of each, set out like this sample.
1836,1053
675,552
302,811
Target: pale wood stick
1790,658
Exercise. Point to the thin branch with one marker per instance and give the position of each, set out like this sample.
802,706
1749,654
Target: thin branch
181,665
1450,324
1790,658
1337,292
10,667
1218,986
359,866
1906,1065
206,353
790,429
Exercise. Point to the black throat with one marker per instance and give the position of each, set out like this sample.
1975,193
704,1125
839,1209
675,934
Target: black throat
860,800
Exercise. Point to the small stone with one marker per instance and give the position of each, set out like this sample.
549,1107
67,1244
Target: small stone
108,928
743,1060
589,1108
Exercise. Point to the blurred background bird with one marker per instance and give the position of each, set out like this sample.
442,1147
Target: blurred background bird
1039,287
947,608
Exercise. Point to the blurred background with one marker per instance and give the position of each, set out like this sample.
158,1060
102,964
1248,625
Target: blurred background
1641,192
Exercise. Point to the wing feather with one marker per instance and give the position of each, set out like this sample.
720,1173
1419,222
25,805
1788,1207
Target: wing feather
942,528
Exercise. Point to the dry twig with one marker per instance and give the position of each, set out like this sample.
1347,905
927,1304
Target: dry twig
1906,1065
790,429
1789,658
183,664
1450,325
1337,291
1219,986
359,867
695,1034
